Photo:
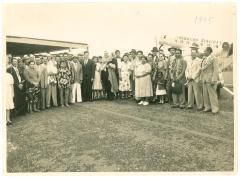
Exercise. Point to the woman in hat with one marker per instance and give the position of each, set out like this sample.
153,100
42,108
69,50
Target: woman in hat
32,83
143,83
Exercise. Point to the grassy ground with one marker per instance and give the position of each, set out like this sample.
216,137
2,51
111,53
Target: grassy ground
121,136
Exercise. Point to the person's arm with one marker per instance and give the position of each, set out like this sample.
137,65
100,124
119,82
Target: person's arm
38,77
26,76
182,74
93,70
215,71
187,71
209,61
198,71
81,73
147,72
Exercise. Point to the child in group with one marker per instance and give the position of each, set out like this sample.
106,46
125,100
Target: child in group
9,95
64,78
97,84
124,77
160,90
160,77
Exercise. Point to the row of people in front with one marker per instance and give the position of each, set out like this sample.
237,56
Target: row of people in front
41,80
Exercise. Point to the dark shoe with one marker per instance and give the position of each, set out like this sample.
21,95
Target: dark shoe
207,110
181,107
174,106
9,123
199,109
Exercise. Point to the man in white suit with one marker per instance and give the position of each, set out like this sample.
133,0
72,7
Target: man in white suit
209,77
192,73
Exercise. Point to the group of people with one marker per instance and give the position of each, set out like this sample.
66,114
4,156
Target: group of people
38,82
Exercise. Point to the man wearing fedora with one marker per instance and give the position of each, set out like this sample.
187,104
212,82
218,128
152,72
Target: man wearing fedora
193,79
209,77
171,58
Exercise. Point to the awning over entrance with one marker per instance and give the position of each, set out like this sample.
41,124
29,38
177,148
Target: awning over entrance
24,45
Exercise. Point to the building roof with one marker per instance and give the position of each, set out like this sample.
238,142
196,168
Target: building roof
25,45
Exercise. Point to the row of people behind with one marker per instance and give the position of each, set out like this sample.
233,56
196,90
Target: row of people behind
43,81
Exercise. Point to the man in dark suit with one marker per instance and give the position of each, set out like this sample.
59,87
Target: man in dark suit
19,89
88,77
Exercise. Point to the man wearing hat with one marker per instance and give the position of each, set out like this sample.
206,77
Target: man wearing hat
193,76
209,77
177,75
171,58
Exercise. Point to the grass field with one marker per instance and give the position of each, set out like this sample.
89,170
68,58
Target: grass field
122,136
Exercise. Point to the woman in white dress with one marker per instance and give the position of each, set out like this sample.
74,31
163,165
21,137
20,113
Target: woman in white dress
97,84
124,77
143,82
9,94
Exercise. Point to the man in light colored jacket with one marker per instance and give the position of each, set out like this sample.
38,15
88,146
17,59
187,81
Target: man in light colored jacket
209,77
192,73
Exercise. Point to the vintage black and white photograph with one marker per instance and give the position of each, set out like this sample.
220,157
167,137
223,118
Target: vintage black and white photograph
119,87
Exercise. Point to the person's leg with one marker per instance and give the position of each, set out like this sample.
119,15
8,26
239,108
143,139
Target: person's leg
198,95
78,90
54,95
70,96
43,98
8,117
74,89
190,95
170,97
206,101
218,90
49,94
35,102
66,94
182,98
175,100
213,98
61,97
90,90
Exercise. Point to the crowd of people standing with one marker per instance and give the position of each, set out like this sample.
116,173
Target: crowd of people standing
38,82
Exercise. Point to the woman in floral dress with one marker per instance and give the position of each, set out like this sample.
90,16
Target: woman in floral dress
64,78
124,79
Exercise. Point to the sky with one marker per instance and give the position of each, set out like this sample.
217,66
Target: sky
112,26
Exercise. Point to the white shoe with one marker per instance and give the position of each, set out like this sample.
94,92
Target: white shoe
145,103
141,102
